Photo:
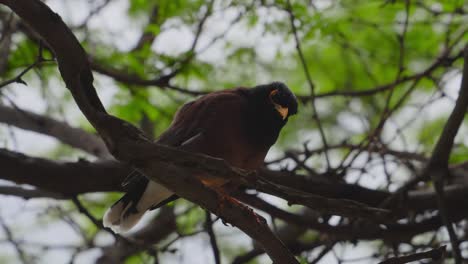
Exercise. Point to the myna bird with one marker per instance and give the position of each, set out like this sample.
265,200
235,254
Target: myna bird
238,125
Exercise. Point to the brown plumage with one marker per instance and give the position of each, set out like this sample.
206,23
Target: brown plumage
238,125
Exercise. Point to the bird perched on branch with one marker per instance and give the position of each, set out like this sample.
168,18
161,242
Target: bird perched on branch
238,125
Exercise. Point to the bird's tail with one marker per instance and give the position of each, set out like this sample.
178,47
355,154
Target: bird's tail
127,211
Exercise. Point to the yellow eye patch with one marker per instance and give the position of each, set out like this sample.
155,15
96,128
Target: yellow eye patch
283,111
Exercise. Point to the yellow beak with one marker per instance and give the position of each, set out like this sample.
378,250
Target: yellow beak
283,111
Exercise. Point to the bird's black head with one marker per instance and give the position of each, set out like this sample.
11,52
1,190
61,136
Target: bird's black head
278,97
270,106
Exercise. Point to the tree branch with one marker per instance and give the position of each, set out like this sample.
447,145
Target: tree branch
443,148
29,193
162,81
444,60
75,137
434,254
9,26
315,115
71,178
123,77
438,164
18,78
214,244
67,178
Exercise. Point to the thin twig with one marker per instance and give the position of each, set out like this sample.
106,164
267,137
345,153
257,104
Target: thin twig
324,252
309,80
444,60
85,211
29,193
18,78
434,254
19,251
211,234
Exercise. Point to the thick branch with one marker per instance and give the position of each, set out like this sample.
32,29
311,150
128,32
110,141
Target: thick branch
71,178
322,204
67,178
220,168
438,164
443,148
369,231
9,26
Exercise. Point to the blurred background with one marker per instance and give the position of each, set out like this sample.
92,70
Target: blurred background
376,81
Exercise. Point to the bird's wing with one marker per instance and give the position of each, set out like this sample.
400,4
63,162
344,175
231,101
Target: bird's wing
136,179
196,118
180,130
191,123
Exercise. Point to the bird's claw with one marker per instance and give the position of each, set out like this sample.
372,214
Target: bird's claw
225,198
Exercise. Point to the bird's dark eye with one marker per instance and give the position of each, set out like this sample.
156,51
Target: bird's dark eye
275,96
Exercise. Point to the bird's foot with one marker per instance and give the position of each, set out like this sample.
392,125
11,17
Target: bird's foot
225,199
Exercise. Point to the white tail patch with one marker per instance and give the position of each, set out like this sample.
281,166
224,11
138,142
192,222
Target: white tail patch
116,218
